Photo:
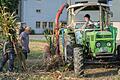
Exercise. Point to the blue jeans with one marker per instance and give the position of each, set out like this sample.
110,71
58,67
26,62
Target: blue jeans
8,56
25,53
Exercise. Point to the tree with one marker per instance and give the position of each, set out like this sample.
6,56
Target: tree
11,4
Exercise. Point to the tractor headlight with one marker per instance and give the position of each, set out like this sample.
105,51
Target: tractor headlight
109,44
98,44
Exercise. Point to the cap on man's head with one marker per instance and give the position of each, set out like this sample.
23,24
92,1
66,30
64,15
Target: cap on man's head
87,15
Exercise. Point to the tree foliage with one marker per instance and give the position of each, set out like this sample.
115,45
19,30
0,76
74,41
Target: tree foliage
11,4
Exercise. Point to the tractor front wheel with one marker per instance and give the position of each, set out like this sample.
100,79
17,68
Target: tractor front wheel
70,41
118,52
118,58
78,61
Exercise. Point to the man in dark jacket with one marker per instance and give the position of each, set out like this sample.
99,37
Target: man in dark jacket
8,54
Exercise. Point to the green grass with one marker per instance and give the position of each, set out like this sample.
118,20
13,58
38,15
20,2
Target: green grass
35,55
36,49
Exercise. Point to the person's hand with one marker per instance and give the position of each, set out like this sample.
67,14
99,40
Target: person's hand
22,47
28,50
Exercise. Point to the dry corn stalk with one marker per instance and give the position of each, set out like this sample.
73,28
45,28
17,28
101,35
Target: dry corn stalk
7,22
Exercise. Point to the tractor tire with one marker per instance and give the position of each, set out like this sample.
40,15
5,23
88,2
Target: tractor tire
69,51
118,58
118,52
70,41
78,62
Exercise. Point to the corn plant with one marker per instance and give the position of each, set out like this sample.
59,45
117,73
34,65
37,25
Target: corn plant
7,21
8,26
49,40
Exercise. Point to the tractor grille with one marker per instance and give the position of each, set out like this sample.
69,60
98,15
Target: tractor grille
103,50
92,38
104,36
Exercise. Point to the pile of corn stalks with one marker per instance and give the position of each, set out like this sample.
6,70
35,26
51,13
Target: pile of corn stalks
7,22
51,59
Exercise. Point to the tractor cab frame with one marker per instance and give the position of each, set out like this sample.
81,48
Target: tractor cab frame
104,13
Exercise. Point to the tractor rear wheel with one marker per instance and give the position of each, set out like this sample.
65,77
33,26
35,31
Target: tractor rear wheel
78,61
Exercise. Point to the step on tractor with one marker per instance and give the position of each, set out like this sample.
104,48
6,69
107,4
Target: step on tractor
83,45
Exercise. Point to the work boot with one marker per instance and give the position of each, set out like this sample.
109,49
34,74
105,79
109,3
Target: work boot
10,70
1,68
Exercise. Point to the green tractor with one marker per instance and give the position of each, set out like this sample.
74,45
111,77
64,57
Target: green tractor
95,45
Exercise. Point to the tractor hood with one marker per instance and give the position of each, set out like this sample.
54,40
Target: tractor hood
104,33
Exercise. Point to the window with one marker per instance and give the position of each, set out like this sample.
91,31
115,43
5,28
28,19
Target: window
50,25
38,10
44,25
38,24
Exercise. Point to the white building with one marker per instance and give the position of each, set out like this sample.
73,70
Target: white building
40,14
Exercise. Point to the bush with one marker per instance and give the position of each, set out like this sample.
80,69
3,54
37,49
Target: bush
32,32
48,31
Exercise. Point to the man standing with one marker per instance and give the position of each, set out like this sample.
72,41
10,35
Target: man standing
24,38
8,54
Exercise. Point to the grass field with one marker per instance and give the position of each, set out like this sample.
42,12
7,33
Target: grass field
35,71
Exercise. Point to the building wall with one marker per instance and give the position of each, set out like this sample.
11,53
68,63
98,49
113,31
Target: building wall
116,11
117,25
40,11
116,16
